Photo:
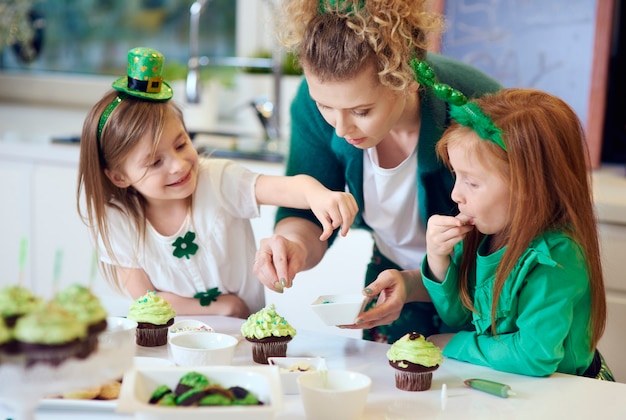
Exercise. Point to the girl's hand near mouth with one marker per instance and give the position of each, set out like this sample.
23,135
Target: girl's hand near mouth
442,234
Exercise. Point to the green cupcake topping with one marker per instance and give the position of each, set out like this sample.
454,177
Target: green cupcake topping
50,325
415,349
82,303
17,300
151,308
5,333
267,323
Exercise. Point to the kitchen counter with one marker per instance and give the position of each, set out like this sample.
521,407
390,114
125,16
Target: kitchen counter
609,187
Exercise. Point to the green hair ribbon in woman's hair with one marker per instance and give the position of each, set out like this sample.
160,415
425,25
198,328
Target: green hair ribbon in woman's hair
463,112
337,5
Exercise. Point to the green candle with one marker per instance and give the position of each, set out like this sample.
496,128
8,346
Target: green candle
58,258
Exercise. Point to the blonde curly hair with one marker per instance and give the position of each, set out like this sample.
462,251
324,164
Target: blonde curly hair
335,39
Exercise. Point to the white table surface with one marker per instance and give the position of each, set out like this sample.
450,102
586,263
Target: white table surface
556,397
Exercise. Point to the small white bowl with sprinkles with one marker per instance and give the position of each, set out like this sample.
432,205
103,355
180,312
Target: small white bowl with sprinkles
188,325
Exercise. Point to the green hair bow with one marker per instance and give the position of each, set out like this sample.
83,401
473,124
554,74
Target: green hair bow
461,110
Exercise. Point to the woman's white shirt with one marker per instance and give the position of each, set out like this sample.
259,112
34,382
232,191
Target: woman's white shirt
390,209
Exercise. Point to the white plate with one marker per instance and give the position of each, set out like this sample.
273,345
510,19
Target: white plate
82,405
108,405
262,381
139,361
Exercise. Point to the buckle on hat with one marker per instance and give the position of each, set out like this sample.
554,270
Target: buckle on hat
154,84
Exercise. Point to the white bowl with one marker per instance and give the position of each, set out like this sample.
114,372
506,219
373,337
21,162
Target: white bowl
292,367
337,394
341,309
188,325
119,330
139,384
202,349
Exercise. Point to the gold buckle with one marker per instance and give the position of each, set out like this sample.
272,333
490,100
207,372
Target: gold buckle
154,84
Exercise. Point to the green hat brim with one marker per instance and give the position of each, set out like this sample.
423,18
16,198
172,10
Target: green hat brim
166,92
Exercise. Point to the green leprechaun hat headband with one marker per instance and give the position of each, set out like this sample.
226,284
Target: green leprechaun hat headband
462,111
143,80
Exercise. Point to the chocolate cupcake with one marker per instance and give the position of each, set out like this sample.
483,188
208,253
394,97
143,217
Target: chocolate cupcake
16,301
269,334
49,335
83,304
5,337
154,315
414,360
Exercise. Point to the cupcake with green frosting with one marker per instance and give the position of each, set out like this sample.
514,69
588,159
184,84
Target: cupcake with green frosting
5,336
269,334
154,315
414,360
16,301
84,305
49,335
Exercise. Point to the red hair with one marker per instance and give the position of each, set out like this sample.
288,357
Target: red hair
546,166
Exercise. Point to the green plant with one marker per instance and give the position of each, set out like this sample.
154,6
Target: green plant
175,70
290,65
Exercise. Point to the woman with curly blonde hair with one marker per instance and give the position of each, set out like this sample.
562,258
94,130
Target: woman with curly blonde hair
365,120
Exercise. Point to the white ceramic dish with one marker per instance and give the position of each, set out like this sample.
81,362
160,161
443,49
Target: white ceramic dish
140,361
339,309
79,405
202,349
97,405
188,325
116,327
289,370
262,381
337,394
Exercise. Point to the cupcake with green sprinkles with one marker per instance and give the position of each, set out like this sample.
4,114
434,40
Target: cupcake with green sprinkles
414,360
153,315
269,334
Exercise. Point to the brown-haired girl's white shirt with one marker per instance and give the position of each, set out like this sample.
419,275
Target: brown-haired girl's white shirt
223,204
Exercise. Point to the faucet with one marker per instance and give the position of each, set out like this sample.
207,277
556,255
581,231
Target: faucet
192,84
267,111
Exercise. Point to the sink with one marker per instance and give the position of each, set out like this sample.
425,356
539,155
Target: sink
236,146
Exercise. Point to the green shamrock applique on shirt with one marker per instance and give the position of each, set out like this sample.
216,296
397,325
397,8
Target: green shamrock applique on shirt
184,246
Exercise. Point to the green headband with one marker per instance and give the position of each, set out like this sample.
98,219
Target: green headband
463,112
337,5
106,113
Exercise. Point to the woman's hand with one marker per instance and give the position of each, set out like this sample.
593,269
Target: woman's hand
277,262
394,288
294,247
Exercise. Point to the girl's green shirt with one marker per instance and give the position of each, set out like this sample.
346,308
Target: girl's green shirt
542,317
